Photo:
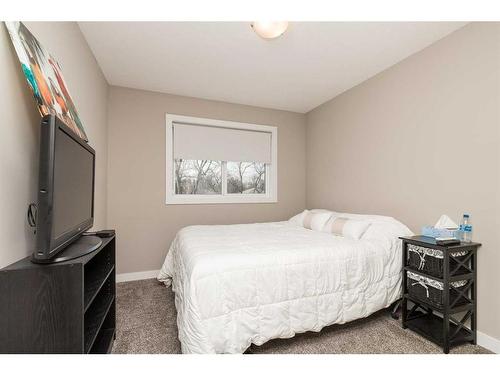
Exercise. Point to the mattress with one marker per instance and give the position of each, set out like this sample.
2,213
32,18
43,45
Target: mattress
241,284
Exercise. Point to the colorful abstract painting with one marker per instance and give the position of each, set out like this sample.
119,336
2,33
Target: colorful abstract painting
44,77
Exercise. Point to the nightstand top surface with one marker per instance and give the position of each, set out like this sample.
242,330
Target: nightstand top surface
431,242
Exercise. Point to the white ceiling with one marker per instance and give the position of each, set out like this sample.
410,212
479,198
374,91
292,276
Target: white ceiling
310,64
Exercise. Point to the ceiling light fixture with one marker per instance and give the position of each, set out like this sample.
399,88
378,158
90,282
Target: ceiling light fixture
270,30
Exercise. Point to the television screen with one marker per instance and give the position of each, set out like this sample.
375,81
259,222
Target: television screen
65,189
73,179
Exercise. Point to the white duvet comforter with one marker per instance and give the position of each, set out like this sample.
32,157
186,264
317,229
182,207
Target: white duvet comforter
241,284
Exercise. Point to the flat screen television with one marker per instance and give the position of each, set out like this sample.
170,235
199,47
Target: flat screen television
65,191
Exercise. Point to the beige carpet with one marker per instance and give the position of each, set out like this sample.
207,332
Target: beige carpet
146,323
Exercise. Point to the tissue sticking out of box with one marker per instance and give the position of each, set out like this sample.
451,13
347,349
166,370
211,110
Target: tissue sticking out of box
445,222
444,228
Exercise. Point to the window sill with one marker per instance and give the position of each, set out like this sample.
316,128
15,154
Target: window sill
227,199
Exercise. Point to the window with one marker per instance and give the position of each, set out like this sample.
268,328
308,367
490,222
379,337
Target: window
246,178
197,177
213,161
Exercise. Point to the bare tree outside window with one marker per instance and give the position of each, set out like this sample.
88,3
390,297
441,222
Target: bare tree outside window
198,177
246,178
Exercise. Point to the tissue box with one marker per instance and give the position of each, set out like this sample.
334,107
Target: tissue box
438,232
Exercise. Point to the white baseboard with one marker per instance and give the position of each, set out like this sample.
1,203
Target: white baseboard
488,342
122,277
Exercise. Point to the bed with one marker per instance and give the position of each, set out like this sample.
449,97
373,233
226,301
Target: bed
249,283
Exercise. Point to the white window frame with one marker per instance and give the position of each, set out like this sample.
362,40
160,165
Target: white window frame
271,195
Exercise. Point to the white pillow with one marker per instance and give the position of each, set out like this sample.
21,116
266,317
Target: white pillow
311,220
321,210
387,230
298,219
345,227
369,218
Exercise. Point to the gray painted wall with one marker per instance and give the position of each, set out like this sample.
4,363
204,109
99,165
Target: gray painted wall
136,186
418,140
19,131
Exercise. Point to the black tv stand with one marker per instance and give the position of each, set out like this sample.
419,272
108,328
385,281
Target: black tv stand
82,246
64,307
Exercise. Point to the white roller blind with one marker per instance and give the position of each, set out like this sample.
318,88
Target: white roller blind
198,142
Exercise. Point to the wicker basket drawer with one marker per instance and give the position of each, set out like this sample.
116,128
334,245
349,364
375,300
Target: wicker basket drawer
431,291
430,261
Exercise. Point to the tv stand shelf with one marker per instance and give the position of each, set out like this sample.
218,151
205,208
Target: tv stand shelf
66,307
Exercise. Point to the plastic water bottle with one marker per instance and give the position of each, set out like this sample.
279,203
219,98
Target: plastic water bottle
466,229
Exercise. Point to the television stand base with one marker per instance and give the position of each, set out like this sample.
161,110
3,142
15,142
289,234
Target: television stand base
82,246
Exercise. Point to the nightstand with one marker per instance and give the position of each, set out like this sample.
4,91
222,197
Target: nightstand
440,290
